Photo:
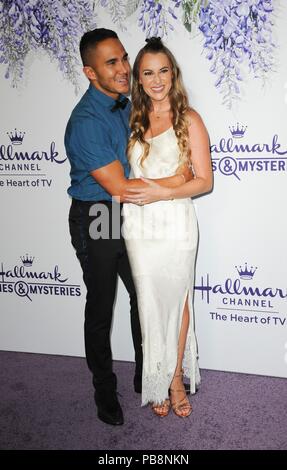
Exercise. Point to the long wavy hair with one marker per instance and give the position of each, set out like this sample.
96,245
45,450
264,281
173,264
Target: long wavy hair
141,105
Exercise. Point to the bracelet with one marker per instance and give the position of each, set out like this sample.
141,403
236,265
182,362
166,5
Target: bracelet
170,198
184,180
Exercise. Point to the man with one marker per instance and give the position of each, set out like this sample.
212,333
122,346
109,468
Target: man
95,140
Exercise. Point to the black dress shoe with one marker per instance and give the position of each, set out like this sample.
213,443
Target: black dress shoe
187,388
109,408
138,383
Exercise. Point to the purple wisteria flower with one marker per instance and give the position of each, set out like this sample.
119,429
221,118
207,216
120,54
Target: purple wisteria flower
237,32
56,26
155,16
118,10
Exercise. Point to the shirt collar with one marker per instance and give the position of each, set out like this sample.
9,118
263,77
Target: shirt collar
102,98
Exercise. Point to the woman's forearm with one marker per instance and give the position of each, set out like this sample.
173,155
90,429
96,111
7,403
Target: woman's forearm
192,188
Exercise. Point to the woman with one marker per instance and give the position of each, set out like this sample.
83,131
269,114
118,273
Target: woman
161,238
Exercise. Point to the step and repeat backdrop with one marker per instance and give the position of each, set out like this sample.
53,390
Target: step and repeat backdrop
232,54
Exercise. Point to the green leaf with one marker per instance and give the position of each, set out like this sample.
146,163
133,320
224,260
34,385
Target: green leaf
187,27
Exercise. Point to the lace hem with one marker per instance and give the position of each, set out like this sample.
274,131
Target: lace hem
155,388
156,382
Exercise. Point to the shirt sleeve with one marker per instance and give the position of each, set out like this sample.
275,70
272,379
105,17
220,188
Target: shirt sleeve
92,144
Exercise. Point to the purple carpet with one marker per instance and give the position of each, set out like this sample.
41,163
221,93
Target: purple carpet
46,402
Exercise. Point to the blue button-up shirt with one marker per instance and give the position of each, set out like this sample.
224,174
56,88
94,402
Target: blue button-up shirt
95,137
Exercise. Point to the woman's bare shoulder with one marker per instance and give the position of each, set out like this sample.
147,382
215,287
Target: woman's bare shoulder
193,116
195,121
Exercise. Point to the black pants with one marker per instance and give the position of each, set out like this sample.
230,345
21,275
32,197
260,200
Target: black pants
101,261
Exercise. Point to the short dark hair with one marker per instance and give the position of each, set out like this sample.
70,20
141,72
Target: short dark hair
90,40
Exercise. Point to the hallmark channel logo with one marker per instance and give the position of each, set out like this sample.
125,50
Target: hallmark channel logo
25,168
237,132
236,158
246,273
24,281
16,138
242,299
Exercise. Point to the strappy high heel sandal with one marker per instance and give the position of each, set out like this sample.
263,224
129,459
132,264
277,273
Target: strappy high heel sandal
162,409
181,407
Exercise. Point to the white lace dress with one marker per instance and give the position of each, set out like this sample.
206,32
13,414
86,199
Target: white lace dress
161,240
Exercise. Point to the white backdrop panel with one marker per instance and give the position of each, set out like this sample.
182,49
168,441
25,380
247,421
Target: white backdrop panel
241,221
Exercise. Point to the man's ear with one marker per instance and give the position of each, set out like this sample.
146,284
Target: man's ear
89,72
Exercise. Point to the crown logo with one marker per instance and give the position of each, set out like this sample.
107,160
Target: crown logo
246,273
238,132
15,137
27,260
